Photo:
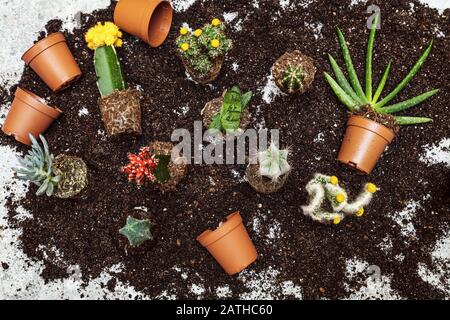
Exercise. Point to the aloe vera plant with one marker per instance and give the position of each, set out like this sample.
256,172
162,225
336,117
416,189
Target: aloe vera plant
352,95
234,104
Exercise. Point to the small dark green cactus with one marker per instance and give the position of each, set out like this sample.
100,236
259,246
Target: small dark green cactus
293,78
137,231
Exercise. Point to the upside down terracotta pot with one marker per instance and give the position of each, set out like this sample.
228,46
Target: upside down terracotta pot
230,244
52,60
149,20
28,114
364,143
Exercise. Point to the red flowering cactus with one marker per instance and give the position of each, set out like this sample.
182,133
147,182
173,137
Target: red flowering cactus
142,165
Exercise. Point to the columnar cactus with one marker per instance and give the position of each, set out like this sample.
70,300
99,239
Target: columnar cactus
137,231
322,188
293,78
273,162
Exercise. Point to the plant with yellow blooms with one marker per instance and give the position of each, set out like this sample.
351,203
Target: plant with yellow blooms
203,50
322,188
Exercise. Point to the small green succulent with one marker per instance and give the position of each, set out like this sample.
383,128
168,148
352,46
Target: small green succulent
273,162
37,167
293,78
137,231
351,93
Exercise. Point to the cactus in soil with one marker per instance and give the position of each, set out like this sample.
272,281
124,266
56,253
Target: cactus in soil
293,78
352,95
137,231
273,162
104,38
322,188
37,167
146,166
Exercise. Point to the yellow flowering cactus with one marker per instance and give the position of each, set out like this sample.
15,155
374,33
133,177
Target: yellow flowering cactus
203,47
104,38
322,188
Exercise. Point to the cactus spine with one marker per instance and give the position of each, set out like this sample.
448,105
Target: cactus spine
293,78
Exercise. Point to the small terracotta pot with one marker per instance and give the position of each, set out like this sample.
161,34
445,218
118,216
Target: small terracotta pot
364,143
28,114
230,244
52,60
149,20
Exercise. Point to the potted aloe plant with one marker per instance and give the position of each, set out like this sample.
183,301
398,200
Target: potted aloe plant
155,164
203,51
230,244
138,231
228,113
63,177
29,113
372,125
322,188
294,72
271,171
119,106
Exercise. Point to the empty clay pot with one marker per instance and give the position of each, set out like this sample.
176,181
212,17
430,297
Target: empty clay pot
52,60
149,20
364,143
230,244
28,114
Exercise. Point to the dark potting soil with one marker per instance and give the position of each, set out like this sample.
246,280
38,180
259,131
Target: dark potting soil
313,256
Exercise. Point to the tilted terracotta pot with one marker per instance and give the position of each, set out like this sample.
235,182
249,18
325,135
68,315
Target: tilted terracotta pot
149,20
28,114
52,60
230,244
364,143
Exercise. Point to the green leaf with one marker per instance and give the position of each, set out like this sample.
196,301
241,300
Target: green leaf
407,79
245,99
342,80
215,122
382,84
340,93
409,103
411,120
108,70
137,231
350,68
162,169
369,57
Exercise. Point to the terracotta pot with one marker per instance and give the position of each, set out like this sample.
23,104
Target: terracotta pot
52,60
364,143
230,245
28,114
149,20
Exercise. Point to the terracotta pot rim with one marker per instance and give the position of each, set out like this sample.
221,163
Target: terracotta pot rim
34,101
41,46
373,126
208,237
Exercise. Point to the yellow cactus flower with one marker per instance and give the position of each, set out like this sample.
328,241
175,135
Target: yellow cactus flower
215,22
184,31
360,212
372,188
334,180
337,220
215,43
198,32
106,34
185,46
340,198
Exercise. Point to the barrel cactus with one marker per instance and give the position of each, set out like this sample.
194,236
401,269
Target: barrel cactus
273,162
293,78
137,231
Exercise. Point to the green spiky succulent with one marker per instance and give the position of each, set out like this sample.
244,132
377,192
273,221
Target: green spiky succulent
351,93
37,167
273,162
137,231
293,78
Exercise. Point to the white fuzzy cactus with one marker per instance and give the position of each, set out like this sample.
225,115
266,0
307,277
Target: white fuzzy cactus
322,188
273,162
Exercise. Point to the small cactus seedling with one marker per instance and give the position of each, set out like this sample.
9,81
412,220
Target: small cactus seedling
146,166
229,117
137,231
273,162
293,78
351,93
322,188
37,167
